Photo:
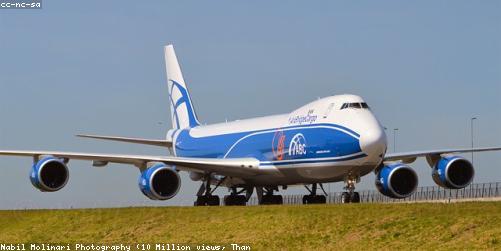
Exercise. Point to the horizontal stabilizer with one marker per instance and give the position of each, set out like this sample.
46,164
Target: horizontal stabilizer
153,142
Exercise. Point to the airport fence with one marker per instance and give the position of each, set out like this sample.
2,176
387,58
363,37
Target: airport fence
428,193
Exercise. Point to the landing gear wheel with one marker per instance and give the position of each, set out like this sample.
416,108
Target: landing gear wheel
229,200
278,200
345,198
234,200
314,199
201,201
268,198
322,199
241,200
213,200
272,200
207,200
355,197
350,195
204,195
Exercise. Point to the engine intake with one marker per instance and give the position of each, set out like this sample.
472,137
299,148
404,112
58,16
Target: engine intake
453,172
159,182
49,174
396,181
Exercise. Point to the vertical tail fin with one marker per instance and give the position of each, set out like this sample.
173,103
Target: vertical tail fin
182,111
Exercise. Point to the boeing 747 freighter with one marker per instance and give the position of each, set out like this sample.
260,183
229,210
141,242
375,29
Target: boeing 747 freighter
333,139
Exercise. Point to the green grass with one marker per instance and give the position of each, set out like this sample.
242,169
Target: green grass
363,226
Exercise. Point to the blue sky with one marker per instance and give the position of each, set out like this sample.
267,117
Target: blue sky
97,67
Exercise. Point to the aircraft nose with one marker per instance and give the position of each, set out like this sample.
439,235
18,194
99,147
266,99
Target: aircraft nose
373,141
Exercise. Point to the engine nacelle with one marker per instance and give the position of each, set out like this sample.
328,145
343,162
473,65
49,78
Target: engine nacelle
453,172
159,182
49,174
396,181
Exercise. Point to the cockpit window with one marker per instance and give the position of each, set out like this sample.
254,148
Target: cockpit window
355,106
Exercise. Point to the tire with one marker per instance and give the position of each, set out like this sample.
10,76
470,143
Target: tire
213,200
272,200
235,200
229,200
266,200
278,200
201,201
306,199
314,199
355,198
345,198
317,199
240,200
321,199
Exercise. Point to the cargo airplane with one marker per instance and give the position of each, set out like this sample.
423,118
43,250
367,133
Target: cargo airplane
332,139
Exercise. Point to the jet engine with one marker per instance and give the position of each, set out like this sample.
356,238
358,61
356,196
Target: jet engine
49,174
453,172
159,182
396,181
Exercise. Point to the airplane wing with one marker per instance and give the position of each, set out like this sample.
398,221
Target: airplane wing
153,142
235,167
409,157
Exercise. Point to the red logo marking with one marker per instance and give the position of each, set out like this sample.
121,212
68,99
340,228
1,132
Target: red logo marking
277,145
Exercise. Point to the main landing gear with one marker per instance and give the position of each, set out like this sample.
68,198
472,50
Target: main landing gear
206,198
235,199
204,195
266,197
350,196
313,198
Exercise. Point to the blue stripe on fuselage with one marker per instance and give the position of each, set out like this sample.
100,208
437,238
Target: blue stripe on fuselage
310,161
298,144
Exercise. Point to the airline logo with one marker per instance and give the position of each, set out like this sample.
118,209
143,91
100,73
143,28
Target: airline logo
297,147
182,108
277,145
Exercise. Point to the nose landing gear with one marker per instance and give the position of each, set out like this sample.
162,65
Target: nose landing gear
350,195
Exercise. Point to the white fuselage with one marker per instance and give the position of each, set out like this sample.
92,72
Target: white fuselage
324,141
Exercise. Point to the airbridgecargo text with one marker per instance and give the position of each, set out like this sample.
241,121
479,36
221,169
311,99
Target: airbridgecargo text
309,118
121,247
